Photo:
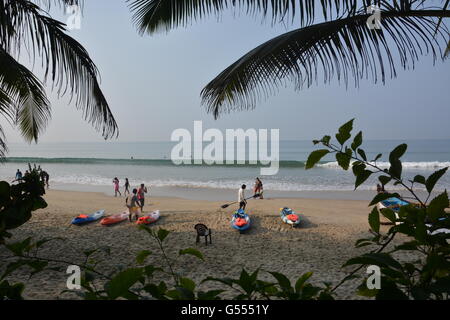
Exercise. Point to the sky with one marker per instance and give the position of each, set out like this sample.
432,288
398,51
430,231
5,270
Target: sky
153,86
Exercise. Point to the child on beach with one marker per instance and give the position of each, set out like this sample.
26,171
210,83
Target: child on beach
141,196
127,187
133,205
258,188
116,187
241,197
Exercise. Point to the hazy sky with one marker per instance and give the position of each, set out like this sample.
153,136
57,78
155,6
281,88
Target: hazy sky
153,85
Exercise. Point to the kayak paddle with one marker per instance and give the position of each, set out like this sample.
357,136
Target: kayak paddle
229,204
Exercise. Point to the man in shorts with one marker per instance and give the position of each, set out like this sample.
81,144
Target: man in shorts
133,204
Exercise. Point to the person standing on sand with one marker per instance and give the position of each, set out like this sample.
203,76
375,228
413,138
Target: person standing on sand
258,188
380,189
133,205
18,175
141,196
127,187
45,178
116,187
241,197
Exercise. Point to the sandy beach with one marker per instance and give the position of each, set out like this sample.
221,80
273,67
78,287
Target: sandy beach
322,243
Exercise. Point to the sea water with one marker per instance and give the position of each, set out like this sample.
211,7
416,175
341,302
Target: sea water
92,166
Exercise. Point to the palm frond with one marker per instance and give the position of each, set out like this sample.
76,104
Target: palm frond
26,97
3,146
6,106
59,3
343,48
66,63
163,15
447,51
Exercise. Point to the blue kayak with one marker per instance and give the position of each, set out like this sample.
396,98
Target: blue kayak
289,216
84,218
392,203
240,220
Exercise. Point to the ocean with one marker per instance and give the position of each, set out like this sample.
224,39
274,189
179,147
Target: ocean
92,166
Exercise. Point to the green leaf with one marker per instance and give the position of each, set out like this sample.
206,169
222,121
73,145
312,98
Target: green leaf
210,295
90,252
162,234
434,178
193,252
398,151
366,292
437,206
345,132
5,191
18,248
358,167
141,256
246,282
357,141
39,203
377,157
326,140
119,285
187,284
390,291
362,154
394,158
374,220
419,179
389,214
12,292
302,280
383,196
343,159
315,157
362,176
283,281
396,169
379,259
410,245
384,180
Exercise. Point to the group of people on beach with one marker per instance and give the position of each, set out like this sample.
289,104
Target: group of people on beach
45,177
135,200
257,192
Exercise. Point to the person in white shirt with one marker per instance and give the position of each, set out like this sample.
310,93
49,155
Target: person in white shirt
241,197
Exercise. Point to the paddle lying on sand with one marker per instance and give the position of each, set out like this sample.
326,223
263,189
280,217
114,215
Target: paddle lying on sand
229,204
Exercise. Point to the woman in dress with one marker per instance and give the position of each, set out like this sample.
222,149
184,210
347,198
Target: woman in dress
116,187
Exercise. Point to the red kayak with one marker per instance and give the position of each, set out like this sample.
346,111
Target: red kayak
149,218
115,218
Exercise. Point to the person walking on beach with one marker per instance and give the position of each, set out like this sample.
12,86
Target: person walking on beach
133,205
116,187
127,187
141,196
258,188
18,175
45,178
241,197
